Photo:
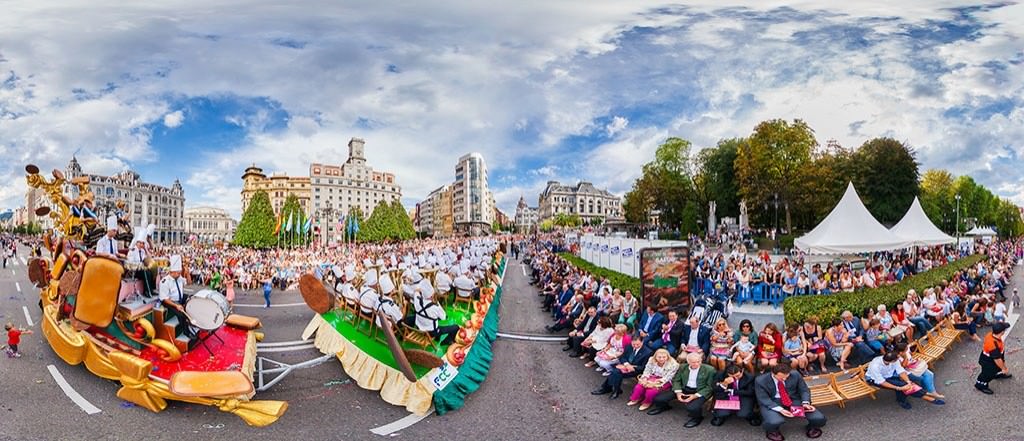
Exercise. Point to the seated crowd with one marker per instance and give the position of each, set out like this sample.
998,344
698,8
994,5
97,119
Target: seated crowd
680,356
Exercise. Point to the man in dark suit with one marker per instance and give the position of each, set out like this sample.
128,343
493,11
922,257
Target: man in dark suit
692,385
649,324
696,337
631,365
584,326
669,336
778,402
735,384
853,326
567,320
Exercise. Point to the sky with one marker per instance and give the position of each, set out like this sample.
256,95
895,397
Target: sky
568,90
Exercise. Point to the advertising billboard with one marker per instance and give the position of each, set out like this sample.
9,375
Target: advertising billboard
664,277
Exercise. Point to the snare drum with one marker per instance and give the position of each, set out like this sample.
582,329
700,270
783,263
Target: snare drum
207,309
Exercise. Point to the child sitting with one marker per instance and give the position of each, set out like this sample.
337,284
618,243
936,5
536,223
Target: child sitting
875,337
743,352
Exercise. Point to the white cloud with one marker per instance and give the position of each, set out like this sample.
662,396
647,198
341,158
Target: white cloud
618,123
512,81
174,119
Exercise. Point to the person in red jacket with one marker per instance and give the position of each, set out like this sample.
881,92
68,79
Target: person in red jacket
769,346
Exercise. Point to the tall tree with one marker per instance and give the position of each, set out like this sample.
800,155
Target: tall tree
887,178
772,164
832,168
404,228
665,185
256,229
937,198
716,176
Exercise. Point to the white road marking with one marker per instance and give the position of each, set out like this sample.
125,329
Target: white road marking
23,261
278,344
401,424
84,404
28,318
17,285
523,267
529,337
287,349
283,305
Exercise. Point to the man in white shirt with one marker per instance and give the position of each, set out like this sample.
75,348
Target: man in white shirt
886,372
427,314
107,245
172,293
137,252
346,288
443,281
465,287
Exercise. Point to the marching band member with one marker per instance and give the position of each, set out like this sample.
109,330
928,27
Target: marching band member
388,307
368,300
107,245
465,286
427,314
172,286
346,288
137,251
443,281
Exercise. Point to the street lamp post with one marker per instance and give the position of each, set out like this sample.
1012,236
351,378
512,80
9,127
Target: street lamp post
958,221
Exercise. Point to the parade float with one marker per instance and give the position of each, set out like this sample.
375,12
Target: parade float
104,313
406,366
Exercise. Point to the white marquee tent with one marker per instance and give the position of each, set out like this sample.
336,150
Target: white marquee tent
919,230
849,229
981,231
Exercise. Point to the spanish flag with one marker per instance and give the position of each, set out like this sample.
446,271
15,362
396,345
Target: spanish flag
277,229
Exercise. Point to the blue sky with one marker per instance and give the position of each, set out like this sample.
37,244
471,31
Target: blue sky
565,90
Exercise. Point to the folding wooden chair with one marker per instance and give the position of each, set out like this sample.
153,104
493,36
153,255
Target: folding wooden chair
418,338
851,385
822,391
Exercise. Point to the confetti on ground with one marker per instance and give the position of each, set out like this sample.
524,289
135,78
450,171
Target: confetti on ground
337,383
127,404
213,426
39,381
949,382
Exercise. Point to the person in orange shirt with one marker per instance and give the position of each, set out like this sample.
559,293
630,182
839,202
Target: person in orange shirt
993,364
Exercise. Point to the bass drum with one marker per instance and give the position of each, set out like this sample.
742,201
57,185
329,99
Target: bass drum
207,310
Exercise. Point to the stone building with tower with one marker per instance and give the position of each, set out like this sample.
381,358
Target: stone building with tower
526,217
209,224
145,203
278,186
338,188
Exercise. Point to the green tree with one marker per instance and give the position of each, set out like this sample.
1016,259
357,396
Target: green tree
773,163
937,198
256,229
355,217
887,178
716,175
375,229
832,168
666,185
404,228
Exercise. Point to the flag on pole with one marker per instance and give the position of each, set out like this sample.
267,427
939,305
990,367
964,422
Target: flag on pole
355,226
309,223
277,228
288,226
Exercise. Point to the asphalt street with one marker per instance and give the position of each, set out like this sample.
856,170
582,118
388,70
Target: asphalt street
533,392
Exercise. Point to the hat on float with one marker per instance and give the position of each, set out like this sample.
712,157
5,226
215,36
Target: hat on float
416,276
386,284
140,236
350,274
150,230
371,277
175,263
112,222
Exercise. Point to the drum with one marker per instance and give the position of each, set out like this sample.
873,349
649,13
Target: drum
207,309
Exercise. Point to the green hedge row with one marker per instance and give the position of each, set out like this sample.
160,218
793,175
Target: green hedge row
829,307
617,279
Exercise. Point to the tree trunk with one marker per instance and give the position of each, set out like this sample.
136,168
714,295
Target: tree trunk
789,221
